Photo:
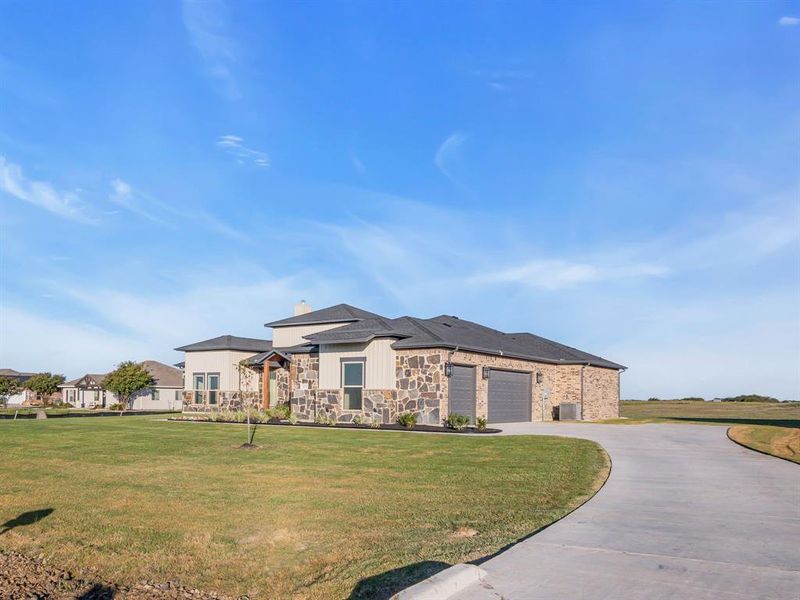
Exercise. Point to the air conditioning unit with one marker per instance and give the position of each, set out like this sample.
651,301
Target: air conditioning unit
569,411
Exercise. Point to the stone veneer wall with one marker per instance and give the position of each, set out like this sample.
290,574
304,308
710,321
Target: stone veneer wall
225,401
302,384
422,388
421,384
600,394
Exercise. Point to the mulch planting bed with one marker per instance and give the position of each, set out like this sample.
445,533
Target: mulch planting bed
390,427
33,578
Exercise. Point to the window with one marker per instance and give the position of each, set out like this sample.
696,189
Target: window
199,387
213,386
352,384
156,395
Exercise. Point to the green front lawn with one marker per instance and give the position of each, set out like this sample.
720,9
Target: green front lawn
313,513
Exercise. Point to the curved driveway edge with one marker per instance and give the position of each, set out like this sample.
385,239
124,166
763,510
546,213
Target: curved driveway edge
684,514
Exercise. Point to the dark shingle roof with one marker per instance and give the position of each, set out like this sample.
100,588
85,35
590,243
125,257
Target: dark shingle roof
341,313
450,332
164,375
229,342
15,374
98,378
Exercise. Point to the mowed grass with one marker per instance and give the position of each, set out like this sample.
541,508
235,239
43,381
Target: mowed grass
778,441
314,513
783,414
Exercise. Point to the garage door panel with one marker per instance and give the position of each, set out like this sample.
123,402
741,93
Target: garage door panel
462,391
509,396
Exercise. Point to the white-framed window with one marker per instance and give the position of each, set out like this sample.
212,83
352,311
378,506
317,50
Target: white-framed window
352,384
156,395
199,385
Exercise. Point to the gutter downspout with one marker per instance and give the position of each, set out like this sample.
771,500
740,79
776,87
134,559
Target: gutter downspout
583,367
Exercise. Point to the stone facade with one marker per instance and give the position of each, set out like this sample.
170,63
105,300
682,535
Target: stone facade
421,384
301,386
422,388
225,401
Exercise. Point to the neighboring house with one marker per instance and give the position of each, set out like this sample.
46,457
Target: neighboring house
165,394
87,392
345,362
23,397
212,376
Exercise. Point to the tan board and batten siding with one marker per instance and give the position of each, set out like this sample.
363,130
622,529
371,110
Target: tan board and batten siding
223,362
285,337
379,370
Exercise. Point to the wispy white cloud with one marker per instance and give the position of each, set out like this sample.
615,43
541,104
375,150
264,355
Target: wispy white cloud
555,274
123,195
208,25
358,164
788,21
149,207
233,144
121,325
42,194
503,80
448,154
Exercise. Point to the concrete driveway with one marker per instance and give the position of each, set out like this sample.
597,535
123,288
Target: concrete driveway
686,514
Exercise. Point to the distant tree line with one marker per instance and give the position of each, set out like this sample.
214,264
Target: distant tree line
750,398
742,398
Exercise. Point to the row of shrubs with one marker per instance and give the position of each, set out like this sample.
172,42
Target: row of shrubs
453,421
282,412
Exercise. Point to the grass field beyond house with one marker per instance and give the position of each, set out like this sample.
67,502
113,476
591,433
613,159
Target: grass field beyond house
783,414
314,513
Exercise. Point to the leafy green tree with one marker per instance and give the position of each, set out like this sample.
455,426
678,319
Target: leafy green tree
44,385
126,380
8,387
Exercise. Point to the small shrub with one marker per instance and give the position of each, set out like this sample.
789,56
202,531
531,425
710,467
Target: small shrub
321,419
359,420
407,420
116,406
332,419
375,424
456,421
282,411
257,416
480,423
293,419
653,399
227,415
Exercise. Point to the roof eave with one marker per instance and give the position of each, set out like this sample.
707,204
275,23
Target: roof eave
281,323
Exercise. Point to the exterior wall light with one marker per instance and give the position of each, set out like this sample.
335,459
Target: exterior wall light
485,372
448,369
539,377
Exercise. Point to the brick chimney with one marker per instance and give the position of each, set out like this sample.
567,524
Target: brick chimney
301,308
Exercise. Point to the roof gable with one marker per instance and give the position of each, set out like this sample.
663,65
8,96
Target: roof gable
340,313
228,342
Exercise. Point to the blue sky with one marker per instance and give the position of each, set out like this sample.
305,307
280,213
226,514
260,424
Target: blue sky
621,177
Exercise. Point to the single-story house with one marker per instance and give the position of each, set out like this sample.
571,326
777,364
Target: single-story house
23,396
345,362
213,375
165,394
